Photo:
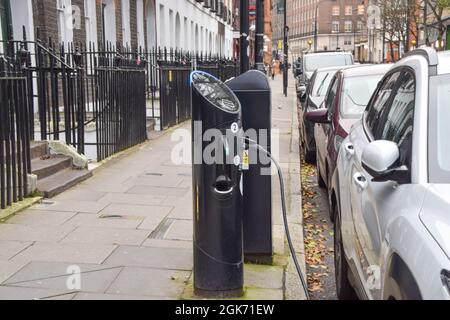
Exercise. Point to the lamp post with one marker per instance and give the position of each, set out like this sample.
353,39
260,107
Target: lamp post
316,31
259,41
286,51
244,26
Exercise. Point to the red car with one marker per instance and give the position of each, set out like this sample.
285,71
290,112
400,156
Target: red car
348,95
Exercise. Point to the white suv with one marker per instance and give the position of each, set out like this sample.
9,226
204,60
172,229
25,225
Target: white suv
391,189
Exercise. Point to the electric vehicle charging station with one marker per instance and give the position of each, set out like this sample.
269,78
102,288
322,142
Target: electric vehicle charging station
253,91
217,188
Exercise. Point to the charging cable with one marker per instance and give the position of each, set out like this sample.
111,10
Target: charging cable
254,144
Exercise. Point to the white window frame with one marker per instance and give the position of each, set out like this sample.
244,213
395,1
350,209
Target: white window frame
348,10
65,33
335,10
335,23
90,20
126,28
348,23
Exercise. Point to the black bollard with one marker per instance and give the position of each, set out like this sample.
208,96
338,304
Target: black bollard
253,91
217,192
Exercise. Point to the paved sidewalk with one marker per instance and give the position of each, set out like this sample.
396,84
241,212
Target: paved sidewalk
129,229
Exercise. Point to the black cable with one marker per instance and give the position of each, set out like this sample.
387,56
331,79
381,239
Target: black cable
286,224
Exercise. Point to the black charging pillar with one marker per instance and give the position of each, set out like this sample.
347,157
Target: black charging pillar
217,193
253,91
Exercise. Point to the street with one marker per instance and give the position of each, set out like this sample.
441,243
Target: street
319,242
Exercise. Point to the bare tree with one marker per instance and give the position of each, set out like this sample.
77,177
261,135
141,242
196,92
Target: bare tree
395,16
436,11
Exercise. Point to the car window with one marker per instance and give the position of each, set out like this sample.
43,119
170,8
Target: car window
398,119
376,107
356,93
332,92
439,129
314,62
321,83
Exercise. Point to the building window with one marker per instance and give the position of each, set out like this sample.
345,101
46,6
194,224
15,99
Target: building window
359,26
335,26
348,10
65,29
347,41
361,9
335,11
348,26
90,19
126,31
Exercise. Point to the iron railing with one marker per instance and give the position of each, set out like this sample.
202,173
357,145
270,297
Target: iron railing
91,97
168,83
15,163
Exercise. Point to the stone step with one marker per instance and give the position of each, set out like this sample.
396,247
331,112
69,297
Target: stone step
62,181
38,149
48,165
151,123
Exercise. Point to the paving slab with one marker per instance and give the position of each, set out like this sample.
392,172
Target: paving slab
80,193
64,252
164,243
107,236
169,181
177,192
104,221
150,282
264,294
87,296
70,206
265,277
19,293
9,249
9,268
152,257
41,218
125,210
58,276
16,232
182,212
180,230
134,199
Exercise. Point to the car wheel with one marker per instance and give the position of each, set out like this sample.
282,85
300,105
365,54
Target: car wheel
320,180
310,156
344,289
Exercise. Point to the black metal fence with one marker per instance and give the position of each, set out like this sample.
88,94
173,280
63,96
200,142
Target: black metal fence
15,163
168,83
93,98
96,98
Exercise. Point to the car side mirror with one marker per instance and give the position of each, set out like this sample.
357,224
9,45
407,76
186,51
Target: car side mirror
318,116
380,159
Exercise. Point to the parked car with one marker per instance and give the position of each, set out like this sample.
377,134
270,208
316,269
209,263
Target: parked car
347,97
391,188
315,94
313,61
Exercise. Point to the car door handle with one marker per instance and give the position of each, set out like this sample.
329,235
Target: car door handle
360,181
349,150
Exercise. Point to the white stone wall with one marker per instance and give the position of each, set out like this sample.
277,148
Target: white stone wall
188,25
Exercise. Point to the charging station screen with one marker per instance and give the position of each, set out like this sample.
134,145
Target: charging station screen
215,92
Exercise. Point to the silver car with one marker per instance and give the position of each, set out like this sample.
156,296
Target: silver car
391,189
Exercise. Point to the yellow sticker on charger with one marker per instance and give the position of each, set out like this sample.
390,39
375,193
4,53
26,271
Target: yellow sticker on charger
245,160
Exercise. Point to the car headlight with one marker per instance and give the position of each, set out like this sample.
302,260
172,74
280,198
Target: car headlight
445,276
